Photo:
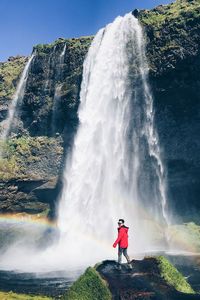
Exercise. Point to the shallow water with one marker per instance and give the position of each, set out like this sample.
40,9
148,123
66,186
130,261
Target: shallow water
48,284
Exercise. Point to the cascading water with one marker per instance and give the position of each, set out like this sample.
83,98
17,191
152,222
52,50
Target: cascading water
18,96
115,169
58,87
47,84
62,55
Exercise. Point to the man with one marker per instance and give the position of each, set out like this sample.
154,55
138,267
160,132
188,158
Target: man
122,241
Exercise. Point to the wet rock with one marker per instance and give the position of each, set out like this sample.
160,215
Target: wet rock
144,281
30,196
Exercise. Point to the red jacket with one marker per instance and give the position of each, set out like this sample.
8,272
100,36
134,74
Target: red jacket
122,238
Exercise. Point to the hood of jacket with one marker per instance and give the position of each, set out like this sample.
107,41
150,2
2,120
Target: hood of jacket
125,228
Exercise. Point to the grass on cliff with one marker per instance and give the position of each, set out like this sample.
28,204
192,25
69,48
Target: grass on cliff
72,43
172,276
18,153
177,11
10,72
89,286
14,296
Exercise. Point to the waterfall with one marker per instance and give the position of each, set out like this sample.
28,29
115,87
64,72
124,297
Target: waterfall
62,55
47,84
58,88
115,169
17,98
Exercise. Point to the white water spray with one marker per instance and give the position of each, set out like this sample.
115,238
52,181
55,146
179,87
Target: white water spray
62,55
115,169
17,98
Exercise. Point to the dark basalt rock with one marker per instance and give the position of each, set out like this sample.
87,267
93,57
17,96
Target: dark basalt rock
29,196
173,52
135,12
142,282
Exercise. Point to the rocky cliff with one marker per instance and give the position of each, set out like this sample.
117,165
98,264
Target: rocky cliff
47,119
44,125
173,50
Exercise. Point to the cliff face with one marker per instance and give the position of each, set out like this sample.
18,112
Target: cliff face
47,120
52,93
173,50
9,76
44,125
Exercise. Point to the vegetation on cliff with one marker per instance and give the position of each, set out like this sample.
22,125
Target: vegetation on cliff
24,156
10,72
173,33
177,12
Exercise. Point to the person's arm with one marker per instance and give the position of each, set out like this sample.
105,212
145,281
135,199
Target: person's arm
120,234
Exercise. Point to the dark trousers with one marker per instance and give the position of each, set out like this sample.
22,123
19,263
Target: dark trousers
124,252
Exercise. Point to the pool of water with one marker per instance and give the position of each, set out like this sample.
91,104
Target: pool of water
48,284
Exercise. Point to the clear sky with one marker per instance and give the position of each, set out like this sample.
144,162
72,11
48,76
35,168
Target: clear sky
24,23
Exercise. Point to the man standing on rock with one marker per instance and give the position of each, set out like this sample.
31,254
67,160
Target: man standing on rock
122,241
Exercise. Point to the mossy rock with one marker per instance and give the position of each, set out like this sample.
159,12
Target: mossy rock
90,286
80,42
22,154
174,12
172,276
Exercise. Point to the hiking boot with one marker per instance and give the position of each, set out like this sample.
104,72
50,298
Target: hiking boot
130,265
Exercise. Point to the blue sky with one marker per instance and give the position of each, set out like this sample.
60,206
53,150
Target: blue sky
24,23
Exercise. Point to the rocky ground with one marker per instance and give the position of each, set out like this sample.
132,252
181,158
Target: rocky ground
152,278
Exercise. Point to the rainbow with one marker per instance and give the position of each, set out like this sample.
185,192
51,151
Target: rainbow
24,218
178,237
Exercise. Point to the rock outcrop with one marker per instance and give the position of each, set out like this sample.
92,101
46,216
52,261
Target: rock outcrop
153,278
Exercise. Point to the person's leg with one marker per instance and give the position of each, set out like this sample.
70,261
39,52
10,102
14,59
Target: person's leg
120,250
126,255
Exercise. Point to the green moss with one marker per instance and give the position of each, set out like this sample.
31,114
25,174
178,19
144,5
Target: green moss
73,43
20,153
172,276
176,12
8,168
89,286
10,72
14,296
